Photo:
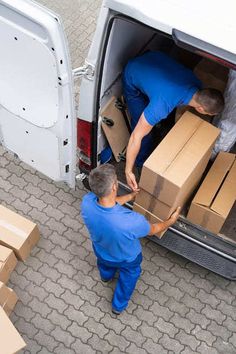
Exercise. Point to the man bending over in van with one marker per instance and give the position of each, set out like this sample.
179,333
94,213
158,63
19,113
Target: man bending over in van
115,232
154,84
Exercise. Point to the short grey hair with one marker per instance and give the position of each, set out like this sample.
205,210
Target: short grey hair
101,180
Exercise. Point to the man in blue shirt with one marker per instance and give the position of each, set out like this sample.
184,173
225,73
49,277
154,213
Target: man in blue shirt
154,84
115,232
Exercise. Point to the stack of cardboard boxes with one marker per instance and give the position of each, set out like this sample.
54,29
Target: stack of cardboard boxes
172,172
17,238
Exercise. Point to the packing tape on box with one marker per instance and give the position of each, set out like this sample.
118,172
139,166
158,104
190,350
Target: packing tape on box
158,187
13,229
152,205
205,220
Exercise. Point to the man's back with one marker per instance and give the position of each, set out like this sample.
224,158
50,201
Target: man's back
114,231
164,81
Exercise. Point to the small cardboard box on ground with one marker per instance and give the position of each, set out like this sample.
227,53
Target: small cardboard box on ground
8,298
216,195
10,340
173,170
8,262
17,233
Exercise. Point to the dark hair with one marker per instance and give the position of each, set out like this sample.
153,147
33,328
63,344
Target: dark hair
211,100
101,180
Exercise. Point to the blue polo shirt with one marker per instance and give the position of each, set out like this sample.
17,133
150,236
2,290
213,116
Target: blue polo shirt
115,231
166,83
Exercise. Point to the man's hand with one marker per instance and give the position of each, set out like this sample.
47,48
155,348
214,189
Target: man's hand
174,217
162,226
131,180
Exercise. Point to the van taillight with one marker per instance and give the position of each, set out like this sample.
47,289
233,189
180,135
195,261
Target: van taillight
84,143
84,132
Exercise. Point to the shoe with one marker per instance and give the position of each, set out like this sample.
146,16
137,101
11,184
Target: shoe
116,312
105,280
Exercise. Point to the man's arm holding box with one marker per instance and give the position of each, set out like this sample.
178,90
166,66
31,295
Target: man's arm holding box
161,226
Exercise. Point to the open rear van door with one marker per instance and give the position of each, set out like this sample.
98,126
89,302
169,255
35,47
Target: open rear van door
37,113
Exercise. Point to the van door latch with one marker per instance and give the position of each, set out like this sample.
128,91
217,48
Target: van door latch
86,70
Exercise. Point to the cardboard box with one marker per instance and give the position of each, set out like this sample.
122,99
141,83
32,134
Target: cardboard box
150,217
153,205
17,233
212,74
10,340
172,171
8,298
8,262
216,196
116,132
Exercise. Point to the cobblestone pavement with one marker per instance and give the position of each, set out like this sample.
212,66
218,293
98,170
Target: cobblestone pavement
64,308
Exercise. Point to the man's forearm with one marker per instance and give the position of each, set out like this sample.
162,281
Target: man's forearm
132,152
122,199
160,226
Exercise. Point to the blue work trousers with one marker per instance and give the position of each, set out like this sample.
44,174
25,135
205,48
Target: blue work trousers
129,272
136,102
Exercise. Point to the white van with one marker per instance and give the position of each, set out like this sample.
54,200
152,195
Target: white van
38,120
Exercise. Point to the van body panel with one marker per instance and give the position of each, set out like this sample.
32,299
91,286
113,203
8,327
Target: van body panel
37,115
209,21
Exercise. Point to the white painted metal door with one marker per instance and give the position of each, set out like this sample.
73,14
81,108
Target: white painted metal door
37,114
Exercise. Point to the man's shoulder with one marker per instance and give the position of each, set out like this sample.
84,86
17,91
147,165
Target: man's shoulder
88,199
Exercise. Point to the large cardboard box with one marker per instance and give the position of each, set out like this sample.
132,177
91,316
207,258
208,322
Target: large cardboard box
8,262
153,205
150,217
17,233
172,171
216,196
10,340
8,298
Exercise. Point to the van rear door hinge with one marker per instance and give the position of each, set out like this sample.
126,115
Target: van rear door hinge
87,70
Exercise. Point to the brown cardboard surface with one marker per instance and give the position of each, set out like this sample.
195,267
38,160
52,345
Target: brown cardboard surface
118,134
175,167
150,217
212,74
216,196
8,262
8,298
153,205
10,340
200,215
180,110
17,233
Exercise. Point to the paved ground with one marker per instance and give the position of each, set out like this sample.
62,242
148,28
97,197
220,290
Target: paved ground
177,307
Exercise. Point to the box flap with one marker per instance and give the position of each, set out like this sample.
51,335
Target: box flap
3,294
166,152
4,253
225,199
10,339
214,179
192,152
14,229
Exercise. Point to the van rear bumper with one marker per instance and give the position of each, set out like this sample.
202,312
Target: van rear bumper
202,248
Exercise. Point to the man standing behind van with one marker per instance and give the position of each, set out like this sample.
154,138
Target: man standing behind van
154,84
115,232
